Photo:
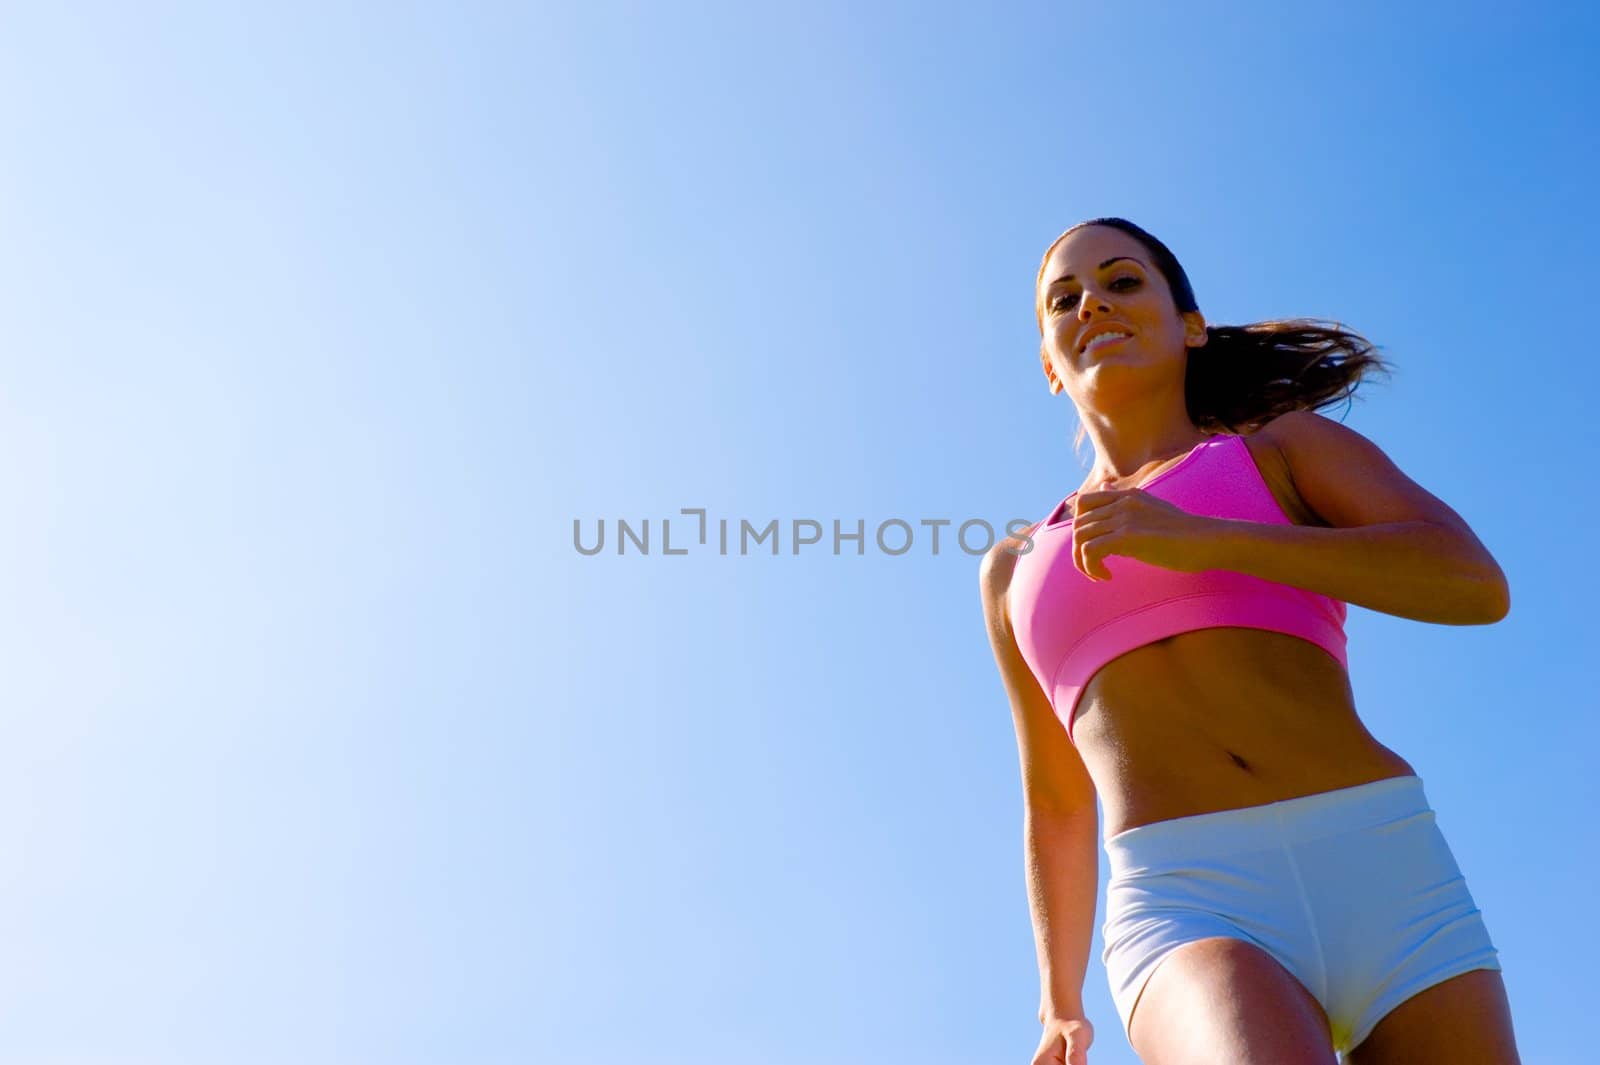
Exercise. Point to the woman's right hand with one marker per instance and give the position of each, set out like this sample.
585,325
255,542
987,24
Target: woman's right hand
1066,1042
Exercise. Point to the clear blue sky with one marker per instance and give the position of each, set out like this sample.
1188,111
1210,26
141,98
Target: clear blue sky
324,322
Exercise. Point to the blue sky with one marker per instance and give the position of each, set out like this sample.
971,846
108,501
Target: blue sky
324,323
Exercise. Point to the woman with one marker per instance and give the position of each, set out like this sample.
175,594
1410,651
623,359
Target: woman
1171,639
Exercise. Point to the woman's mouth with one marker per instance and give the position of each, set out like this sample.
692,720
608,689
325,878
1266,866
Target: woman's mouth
1105,340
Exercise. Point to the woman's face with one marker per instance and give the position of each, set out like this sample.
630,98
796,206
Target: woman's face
1100,281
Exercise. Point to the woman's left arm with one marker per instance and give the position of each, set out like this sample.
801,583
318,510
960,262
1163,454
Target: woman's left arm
1393,547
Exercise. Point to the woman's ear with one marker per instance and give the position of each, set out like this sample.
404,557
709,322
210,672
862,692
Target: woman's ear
1194,329
1049,371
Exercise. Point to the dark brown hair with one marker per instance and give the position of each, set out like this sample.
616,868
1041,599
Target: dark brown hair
1246,375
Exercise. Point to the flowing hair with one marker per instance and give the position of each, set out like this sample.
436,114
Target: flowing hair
1246,375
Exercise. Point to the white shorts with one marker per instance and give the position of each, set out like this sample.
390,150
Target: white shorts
1354,891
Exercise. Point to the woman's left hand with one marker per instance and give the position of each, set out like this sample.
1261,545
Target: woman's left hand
1134,523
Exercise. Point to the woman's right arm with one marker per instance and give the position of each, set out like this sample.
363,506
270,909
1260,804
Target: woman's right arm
1060,834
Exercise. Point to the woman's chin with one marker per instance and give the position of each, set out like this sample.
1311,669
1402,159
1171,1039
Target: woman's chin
1115,375
1117,360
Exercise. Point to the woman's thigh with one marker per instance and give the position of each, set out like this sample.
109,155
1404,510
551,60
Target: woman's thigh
1226,1000
1465,1020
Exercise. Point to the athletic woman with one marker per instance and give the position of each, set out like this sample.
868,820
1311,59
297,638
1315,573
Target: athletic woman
1171,640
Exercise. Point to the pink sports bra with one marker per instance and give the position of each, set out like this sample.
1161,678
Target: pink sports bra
1067,627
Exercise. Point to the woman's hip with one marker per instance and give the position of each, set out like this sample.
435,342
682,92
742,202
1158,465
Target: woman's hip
1354,891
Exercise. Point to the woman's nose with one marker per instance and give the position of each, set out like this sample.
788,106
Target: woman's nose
1091,304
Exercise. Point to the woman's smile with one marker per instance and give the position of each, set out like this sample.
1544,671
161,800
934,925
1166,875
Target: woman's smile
1103,341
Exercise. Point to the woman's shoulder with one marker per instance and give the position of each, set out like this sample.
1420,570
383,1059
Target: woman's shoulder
1000,562
1269,446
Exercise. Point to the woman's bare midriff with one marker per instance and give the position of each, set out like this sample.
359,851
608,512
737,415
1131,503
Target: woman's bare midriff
1222,718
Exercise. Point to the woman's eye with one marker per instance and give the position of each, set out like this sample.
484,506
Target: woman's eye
1067,299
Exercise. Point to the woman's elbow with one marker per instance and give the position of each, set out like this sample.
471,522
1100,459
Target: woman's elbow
1494,591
